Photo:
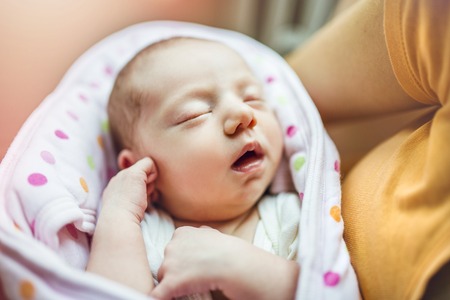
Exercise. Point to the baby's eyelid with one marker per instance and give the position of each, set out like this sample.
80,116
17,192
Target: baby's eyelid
191,117
252,92
252,97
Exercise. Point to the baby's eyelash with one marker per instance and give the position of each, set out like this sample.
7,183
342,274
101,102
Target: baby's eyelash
252,98
191,117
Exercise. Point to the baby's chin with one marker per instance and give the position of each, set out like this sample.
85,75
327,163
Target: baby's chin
223,210
224,224
211,217
208,218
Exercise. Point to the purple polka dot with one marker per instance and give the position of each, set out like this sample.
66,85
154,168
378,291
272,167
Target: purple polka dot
37,179
291,131
72,115
270,79
61,134
331,278
48,157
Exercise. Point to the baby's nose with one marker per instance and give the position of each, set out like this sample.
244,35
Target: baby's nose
240,117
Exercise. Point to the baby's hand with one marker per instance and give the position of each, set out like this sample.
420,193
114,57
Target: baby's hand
129,190
199,260
194,262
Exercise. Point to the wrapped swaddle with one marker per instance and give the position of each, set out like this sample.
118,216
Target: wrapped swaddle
53,174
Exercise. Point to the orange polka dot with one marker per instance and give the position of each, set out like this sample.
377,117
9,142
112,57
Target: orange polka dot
100,142
84,184
17,226
27,291
335,213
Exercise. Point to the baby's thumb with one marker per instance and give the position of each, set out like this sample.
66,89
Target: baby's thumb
144,164
169,289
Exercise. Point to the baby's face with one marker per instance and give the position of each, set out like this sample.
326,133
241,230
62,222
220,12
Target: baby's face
215,141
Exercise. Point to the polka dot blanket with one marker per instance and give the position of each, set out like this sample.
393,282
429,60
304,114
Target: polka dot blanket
53,174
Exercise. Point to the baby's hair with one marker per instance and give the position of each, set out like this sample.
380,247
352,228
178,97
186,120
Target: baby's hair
128,95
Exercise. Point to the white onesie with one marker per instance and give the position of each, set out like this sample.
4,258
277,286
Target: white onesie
276,231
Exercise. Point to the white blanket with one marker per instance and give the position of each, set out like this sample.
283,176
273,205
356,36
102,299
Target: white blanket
53,174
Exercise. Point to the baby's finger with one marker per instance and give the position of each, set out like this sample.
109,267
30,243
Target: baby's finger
169,289
145,164
161,292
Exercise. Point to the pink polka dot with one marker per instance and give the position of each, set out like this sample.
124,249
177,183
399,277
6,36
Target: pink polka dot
61,134
94,85
337,166
331,278
72,231
72,115
108,70
48,157
33,226
301,195
291,131
37,179
270,79
83,98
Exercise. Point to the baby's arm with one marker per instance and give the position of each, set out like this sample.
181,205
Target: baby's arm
118,250
199,260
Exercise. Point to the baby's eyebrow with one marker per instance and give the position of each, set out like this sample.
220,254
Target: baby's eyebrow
247,80
197,92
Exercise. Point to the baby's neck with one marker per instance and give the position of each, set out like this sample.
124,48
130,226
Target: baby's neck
243,226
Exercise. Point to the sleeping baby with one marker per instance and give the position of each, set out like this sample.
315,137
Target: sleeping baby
198,147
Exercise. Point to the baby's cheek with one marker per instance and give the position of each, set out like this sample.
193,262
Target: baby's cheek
276,136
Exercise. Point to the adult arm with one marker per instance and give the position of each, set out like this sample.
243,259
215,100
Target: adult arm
346,68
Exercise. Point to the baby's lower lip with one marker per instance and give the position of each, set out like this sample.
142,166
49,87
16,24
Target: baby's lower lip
249,166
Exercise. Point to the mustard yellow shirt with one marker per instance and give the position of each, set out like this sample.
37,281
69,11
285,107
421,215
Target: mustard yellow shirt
396,201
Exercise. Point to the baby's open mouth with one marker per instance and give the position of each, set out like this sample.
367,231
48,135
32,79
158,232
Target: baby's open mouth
250,157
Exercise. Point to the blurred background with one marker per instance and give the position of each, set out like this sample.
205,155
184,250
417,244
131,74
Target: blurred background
41,39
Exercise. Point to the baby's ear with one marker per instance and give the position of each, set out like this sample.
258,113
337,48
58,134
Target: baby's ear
126,158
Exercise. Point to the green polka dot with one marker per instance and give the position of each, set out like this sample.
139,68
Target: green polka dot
259,60
298,163
282,100
90,161
105,126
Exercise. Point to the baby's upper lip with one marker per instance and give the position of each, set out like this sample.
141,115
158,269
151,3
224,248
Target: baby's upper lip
248,147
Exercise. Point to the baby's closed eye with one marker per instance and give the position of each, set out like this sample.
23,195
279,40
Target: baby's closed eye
191,116
191,110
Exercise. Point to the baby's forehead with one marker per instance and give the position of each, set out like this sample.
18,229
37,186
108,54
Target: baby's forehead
186,47
161,56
